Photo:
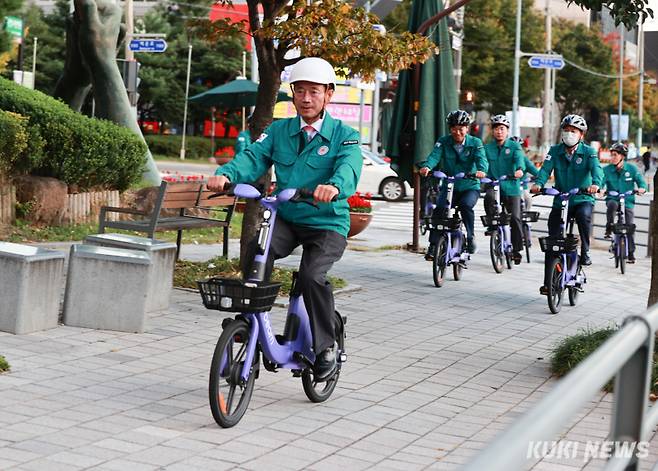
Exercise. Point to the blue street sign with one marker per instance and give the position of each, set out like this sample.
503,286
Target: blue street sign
546,62
148,45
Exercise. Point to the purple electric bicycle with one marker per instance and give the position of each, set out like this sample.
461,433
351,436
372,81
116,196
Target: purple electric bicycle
621,230
449,249
500,240
236,362
565,270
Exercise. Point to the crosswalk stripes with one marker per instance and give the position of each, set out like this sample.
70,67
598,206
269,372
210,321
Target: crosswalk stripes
399,216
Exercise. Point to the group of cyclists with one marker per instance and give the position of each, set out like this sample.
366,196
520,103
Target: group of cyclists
572,163
315,151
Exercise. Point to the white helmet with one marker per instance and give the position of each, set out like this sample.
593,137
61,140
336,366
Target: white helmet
313,69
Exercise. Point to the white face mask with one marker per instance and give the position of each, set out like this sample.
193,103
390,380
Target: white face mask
570,138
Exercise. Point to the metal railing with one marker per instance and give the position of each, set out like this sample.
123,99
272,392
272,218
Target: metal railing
627,354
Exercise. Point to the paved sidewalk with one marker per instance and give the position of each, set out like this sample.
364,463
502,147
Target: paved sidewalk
432,376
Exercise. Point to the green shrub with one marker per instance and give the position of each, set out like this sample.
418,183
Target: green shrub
570,351
195,147
4,366
81,151
21,146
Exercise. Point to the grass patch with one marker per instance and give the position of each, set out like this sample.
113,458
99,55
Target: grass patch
572,350
4,366
23,232
187,273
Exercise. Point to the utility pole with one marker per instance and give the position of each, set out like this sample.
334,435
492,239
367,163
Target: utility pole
516,131
621,80
640,98
130,28
187,93
34,64
548,103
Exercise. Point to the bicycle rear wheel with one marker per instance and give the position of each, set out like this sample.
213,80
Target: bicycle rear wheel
458,268
439,263
555,290
229,394
622,254
496,251
319,391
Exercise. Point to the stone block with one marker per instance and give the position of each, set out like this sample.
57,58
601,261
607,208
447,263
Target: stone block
106,288
30,287
163,259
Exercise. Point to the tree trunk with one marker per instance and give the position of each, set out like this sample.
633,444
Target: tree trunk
653,247
269,70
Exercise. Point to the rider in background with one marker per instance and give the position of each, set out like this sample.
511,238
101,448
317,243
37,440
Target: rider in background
506,157
528,168
621,176
312,151
243,140
575,165
454,153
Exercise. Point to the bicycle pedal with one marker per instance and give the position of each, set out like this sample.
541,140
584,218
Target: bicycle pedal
296,373
342,357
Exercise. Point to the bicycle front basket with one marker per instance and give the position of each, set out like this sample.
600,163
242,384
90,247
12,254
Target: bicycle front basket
559,244
451,224
229,294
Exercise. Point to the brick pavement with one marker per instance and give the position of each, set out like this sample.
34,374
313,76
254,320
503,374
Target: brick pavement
432,376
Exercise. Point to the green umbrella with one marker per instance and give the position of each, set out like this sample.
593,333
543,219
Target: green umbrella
234,94
437,96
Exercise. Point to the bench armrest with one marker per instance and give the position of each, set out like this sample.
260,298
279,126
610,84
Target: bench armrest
112,209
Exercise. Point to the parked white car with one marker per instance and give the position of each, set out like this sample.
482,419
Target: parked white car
378,178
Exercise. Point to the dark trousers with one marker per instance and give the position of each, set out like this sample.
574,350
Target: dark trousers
629,216
465,200
512,205
583,214
322,248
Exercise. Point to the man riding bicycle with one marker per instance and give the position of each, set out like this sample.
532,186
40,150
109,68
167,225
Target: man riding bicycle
506,158
621,176
317,152
457,152
575,165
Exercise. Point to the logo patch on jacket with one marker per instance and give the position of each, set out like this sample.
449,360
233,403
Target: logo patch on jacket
349,142
548,157
579,160
323,150
507,151
261,138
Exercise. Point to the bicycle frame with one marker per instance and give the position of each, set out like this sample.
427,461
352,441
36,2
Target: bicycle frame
503,229
569,259
453,254
282,355
621,220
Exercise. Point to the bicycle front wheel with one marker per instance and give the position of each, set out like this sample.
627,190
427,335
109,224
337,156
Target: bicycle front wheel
229,394
439,263
555,290
621,250
496,251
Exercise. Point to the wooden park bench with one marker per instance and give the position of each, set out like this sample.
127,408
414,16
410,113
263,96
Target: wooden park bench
180,197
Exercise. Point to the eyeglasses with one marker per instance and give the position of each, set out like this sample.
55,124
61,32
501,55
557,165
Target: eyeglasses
301,92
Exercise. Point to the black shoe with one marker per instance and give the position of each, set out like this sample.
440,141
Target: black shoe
608,235
325,364
489,231
517,257
585,260
543,290
471,247
429,255
631,258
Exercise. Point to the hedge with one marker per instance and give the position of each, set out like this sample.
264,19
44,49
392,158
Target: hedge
81,151
21,146
195,147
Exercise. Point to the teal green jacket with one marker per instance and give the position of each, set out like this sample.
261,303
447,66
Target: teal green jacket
444,157
332,157
505,160
623,180
242,141
583,170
